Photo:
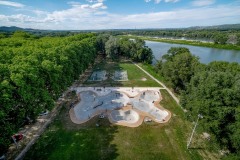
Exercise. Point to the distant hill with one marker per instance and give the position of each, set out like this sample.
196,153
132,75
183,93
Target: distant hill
14,28
10,29
218,27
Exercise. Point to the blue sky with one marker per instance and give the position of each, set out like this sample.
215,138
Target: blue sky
117,14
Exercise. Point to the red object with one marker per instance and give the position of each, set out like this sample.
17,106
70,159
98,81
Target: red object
18,137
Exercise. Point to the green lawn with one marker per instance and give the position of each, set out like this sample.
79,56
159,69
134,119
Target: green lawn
150,69
65,140
68,141
135,76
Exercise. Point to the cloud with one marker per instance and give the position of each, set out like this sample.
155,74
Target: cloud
73,3
158,1
95,16
12,4
174,1
96,5
200,3
147,1
99,5
95,1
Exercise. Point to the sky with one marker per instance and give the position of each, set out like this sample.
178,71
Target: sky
117,14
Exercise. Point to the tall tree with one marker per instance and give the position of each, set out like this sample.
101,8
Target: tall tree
112,47
34,72
178,66
100,42
216,95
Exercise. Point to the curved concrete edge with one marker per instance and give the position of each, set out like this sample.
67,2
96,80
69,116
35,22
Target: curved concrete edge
122,123
166,120
157,104
77,121
136,124
74,118
142,115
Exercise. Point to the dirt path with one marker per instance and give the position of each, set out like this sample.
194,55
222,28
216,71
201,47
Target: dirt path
33,131
40,130
168,90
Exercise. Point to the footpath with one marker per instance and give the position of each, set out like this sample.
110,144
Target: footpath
163,85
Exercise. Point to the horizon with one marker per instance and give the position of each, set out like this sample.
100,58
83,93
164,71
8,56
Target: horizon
117,15
189,27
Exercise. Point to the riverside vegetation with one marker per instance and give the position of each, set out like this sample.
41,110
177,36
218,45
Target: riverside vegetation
208,89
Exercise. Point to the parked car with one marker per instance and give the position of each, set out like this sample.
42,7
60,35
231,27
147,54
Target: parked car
43,113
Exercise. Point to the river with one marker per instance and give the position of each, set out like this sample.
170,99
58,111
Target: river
205,54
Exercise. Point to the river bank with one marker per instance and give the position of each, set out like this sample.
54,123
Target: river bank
192,43
205,54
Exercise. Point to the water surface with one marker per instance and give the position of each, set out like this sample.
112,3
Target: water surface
205,54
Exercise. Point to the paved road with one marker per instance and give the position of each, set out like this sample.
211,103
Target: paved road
168,90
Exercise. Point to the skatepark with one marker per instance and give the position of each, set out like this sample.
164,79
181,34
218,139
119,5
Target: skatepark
125,106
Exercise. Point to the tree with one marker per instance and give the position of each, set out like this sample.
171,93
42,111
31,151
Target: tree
2,35
144,55
135,49
34,72
220,39
21,34
100,42
126,47
178,66
112,47
238,39
173,51
216,95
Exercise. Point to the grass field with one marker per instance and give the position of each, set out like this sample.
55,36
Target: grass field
68,141
65,140
135,76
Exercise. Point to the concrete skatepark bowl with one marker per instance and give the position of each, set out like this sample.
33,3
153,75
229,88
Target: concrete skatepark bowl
128,116
123,106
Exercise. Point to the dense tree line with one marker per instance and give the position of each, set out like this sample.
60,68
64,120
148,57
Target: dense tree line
34,72
217,36
215,93
212,90
222,34
178,66
114,47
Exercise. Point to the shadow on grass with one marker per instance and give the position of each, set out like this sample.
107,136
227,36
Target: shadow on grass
67,141
136,77
110,66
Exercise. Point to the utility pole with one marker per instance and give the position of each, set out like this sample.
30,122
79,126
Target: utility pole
189,142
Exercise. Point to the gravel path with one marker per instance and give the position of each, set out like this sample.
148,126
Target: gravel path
165,87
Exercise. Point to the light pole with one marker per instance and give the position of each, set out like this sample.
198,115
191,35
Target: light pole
189,142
